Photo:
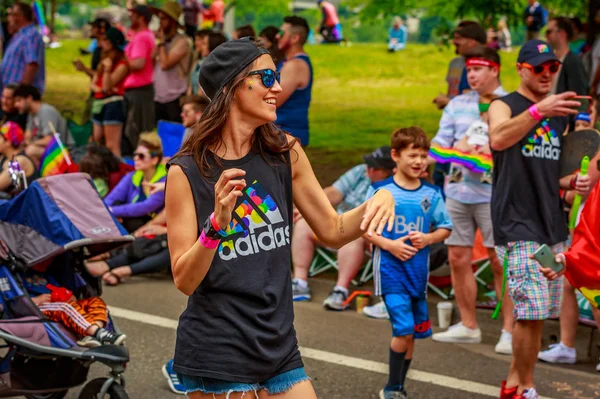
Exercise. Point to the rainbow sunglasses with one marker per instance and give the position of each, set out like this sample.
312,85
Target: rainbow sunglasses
267,77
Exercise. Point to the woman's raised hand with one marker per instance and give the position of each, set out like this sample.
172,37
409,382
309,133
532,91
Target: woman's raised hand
227,190
379,213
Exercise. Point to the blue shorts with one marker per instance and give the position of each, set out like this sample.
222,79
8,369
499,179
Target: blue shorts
278,384
112,113
409,316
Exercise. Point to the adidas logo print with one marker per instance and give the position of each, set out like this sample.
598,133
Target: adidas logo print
252,227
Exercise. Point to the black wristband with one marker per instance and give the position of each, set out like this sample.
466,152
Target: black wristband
209,230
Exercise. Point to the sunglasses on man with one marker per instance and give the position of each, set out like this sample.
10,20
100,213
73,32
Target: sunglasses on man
553,67
267,77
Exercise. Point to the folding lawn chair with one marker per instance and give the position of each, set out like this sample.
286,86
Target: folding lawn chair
324,259
80,133
439,270
171,137
440,277
480,260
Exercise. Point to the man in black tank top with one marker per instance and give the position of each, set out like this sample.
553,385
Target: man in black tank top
526,131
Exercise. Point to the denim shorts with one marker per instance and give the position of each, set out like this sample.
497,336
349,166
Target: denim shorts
278,384
112,113
409,316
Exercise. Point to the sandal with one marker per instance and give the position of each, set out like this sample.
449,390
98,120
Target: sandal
110,275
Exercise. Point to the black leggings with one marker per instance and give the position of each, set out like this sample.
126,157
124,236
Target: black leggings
154,263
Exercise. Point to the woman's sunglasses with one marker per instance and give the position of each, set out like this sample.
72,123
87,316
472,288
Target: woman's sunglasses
142,157
553,67
267,76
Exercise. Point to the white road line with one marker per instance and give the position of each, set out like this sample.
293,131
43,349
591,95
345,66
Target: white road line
143,317
335,358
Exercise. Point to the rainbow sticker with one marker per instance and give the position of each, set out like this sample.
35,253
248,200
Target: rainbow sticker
543,48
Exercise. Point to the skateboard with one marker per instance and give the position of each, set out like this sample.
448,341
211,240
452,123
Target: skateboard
575,146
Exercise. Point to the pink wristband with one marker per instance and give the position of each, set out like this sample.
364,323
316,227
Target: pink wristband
533,111
207,242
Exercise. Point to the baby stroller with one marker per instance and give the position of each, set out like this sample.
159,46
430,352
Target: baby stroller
57,222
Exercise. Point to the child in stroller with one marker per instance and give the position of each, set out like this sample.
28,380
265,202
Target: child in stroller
87,317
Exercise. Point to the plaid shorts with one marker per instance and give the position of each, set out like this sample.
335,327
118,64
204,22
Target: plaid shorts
534,297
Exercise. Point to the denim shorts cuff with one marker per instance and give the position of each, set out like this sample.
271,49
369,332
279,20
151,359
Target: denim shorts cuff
189,391
105,123
285,386
241,389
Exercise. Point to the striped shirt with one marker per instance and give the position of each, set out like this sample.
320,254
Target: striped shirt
353,185
460,113
25,47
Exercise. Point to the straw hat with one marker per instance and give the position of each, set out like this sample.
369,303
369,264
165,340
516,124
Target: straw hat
172,9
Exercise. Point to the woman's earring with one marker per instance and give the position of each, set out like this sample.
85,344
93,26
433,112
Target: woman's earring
250,85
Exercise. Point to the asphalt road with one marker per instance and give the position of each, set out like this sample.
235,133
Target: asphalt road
345,353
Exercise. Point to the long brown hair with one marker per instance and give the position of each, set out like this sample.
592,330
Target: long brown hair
115,54
268,139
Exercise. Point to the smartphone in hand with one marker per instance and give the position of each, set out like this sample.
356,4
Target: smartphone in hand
547,259
585,104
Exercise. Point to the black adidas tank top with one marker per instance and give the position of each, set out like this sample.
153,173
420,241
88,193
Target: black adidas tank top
238,324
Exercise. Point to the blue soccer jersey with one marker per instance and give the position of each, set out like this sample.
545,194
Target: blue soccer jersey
421,210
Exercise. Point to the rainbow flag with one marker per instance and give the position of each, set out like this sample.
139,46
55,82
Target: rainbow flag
56,159
474,162
38,10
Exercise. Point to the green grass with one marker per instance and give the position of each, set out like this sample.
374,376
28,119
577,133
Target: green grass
66,88
361,94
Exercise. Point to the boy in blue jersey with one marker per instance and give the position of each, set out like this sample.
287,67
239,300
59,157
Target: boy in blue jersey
401,257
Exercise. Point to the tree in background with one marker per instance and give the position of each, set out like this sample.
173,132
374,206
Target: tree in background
435,14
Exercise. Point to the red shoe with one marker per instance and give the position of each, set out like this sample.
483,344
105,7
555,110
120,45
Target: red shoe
508,393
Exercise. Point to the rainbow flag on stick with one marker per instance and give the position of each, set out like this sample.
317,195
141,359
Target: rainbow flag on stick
56,159
474,162
38,10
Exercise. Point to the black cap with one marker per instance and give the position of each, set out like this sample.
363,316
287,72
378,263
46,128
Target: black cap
116,37
143,11
536,52
381,158
100,22
225,62
472,31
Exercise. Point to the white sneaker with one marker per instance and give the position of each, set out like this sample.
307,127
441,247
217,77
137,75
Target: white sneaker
378,311
559,353
598,367
504,345
530,393
459,334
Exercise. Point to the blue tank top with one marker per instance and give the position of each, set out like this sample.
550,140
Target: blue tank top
293,115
